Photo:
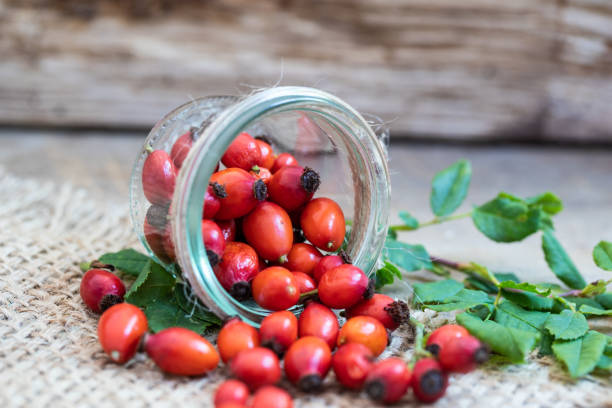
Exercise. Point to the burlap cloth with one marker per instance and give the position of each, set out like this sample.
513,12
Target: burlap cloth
49,354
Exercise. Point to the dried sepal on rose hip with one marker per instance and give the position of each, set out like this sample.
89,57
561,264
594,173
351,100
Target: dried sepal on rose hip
364,330
257,367
212,200
181,351
234,337
120,331
293,186
158,177
463,354
344,286
319,321
388,380
278,331
101,289
391,313
275,288
231,391
323,224
243,192
269,231
243,153
238,266
307,362
429,381
352,363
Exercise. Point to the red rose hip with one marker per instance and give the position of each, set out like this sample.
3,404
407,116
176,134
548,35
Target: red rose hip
463,354
237,268
275,288
212,200
323,224
243,192
389,312
278,331
213,241
180,351
101,289
319,321
120,329
261,173
305,283
181,147
364,330
270,396
443,335
232,391
428,381
268,229
229,229
158,178
388,380
344,286
352,363
257,367
234,337
303,258
293,186
326,263
243,153
267,154
307,362
282,160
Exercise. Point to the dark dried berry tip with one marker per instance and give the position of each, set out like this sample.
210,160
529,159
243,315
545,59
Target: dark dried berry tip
157,216
260,190
100,265
108,301
370,290
375,389
264,138
345,257
219,190
433,349
310,383
213,258
399,312
278,349
241,290
481,355
432,382
298,236
310,180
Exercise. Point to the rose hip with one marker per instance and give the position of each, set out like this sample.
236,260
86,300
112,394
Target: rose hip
168,243
120,329
326,263
231,391
229,229
293,186
282,160
303,258
180,351
270,396
261,173
364,330
267,154
101,289
158,178
257,367
234,337
383,308
212,200
344,286
323,224
388,380
243,153
268,229
428,381
443,335
304,282
237,268
463,354
352,363
243,192
213,241
181,147
278,331
307,362
275,288
319,321
155,239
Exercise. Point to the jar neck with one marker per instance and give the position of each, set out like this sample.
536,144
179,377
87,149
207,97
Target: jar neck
349,131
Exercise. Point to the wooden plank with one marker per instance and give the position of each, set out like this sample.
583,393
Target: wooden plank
440,68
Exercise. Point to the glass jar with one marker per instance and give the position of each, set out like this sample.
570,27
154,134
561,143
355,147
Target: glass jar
320,130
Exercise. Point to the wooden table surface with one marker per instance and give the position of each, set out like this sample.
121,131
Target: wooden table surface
101,163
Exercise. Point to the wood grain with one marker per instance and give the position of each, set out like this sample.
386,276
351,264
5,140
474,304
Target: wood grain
440,68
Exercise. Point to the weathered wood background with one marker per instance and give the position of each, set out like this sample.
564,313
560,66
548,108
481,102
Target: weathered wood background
436,68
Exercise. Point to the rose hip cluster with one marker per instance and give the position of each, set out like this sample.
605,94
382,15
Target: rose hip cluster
265,235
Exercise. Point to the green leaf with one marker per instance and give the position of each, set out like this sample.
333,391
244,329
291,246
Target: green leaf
449,188
527,287
512,343
164,313
406,256
567,325
580,355
153,283
528,300
547,202
506,219
409,220
387,274
546,343
560,263
511,315
192,305
127,260
604,363
480,283
436,291
605,300
462,300
596,288
590,310
602,255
